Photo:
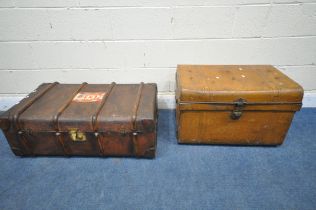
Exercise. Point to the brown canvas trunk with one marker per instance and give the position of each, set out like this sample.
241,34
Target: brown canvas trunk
86,120
251,105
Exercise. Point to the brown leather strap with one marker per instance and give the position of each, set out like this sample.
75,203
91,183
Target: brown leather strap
14,119
96,115
56,117
134,122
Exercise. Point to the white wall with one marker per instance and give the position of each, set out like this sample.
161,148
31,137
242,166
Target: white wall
130,41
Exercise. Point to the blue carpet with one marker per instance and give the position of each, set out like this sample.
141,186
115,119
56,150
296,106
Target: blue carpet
181,176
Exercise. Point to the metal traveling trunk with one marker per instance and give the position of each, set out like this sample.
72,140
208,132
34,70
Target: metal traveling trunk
85,120
228,104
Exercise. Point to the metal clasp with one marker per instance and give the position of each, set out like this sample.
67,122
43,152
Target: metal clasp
237,112
77,135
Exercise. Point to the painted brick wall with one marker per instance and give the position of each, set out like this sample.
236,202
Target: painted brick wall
143,40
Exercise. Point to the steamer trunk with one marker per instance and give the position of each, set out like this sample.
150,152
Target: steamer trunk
228,104
86,120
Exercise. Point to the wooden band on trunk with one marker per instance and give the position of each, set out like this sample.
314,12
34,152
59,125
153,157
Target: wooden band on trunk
96,115
134,122
56,116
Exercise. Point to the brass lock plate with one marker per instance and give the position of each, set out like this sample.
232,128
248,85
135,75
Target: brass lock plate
77,135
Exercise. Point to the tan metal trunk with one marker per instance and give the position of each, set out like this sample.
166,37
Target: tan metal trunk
235,104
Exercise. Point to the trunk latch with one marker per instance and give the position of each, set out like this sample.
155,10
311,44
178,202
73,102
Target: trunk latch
237,112
77,135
